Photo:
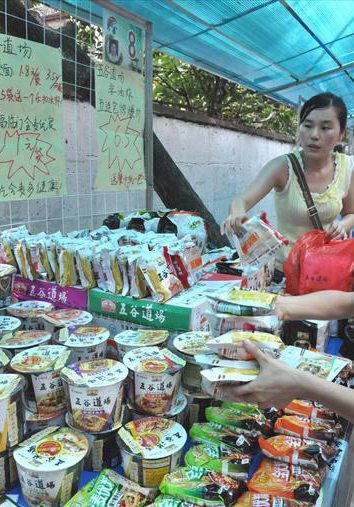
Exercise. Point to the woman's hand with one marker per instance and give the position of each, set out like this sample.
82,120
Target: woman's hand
336,230
276,385
233,223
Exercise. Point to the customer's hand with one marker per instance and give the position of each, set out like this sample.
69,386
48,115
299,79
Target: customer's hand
276,385
233,223
336,230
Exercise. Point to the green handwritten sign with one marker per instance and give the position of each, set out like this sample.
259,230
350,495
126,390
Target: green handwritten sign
31,120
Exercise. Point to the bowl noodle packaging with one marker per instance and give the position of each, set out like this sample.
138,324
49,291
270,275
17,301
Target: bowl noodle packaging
41,367
5,358
8,471
135,338
37,422
49,466
94,392
177,413
150,447
30,312
12,410
7,277
67,317
85,342
9,324
155,378
22,340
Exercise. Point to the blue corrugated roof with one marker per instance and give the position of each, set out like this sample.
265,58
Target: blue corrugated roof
264,44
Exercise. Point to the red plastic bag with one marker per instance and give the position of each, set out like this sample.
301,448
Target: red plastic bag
315,264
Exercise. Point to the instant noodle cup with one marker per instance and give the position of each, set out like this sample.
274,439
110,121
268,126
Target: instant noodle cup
67,317
7,277
12,411
86,343
94,391
151,447
8,471
22,340
135,338
178,412
188,345
5,358
155,380
37,422
9,324
49,466
41,366
31,313
103,449
230,344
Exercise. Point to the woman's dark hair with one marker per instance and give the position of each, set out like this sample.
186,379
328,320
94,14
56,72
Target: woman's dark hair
325,100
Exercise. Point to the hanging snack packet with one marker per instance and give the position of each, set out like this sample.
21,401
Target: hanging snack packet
216,435
227,461
307,453
201,487
255,423
310,409
162,283
249,499
286,480
243,302
303,427
230,344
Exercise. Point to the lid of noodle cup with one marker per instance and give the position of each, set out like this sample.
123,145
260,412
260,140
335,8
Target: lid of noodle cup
7,269
36,417
23,339
83,336
4,358
9,324
153,437
69,317
40,359
94,373
141,337
153,360
10,383
27,309
58,450
191,343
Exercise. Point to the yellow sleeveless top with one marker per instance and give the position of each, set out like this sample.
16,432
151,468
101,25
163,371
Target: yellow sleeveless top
291,210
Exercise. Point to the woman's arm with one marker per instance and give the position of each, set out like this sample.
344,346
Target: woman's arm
278,384
273,175
340,228
324,305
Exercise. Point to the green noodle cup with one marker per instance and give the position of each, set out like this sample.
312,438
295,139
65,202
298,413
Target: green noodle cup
41,367
151,447
22,340
94,392
49,467
85,342
31,313
12,410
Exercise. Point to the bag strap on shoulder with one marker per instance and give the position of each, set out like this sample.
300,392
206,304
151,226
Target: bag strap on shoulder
311,208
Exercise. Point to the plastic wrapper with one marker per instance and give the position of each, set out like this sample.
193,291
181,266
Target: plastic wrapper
221,323
53,256
286,480
66,260
110,269
231,418
162,283
113,221
8,239
230,344
307,453
226,460
111,489
310,409
138,285
243,302
23,259
303,427
183,223
243,407
201,487
214,434
83,258
214,379
249,499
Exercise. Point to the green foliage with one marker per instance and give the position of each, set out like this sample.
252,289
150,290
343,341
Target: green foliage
182,85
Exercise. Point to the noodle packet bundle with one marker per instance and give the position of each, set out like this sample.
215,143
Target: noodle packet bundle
40,258
224,438
66,248
184,223
214,379
243,407
285,480
258,242
51,248
221,323
84,259
8,240
178,263
243,303
310,409
299,426
249,499
23,259
227,461
230,344
111,489
255,423
124,255
307,453
109,268
202,487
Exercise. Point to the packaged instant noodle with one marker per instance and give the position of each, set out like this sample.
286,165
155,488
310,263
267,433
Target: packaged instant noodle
298,426
23,259
66,259
111,489
202,487
162,283
231,418
307,453
243,407
230,344
83,259
243,302
310,409
249,499
215,434
226,460
213,380
221,323
286,480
